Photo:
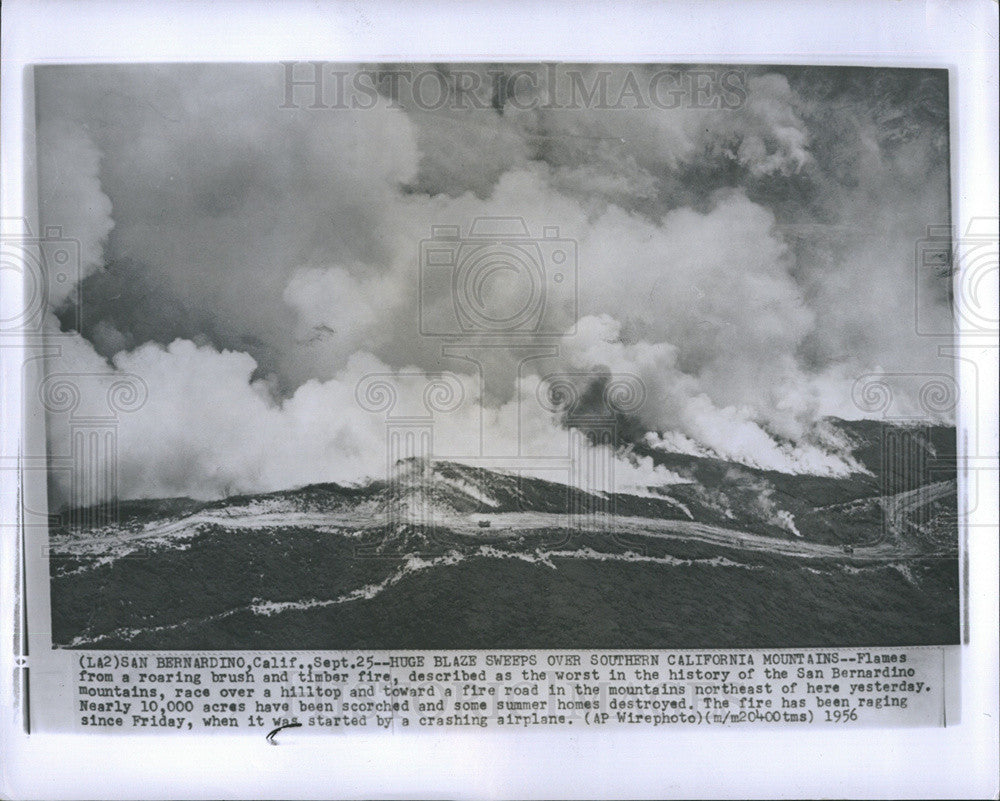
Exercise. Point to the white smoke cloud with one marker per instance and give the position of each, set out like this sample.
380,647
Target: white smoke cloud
207,430
678,403
70,194
272,256
773,138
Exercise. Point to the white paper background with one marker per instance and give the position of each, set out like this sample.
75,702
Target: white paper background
960,761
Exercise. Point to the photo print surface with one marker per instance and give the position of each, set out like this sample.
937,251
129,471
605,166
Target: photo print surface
414,356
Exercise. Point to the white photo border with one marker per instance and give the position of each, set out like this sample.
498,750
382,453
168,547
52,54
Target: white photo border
959,760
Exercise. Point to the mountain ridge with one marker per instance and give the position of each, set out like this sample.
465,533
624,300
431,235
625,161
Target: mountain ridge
446,554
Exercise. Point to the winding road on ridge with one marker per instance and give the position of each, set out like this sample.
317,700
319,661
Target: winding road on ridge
113,543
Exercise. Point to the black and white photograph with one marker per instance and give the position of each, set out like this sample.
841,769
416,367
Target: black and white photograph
498,400
497,355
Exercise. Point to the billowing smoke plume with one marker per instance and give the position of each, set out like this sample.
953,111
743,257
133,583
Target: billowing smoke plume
70,195
254,263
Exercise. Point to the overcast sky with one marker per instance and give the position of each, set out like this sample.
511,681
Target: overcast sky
252,262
